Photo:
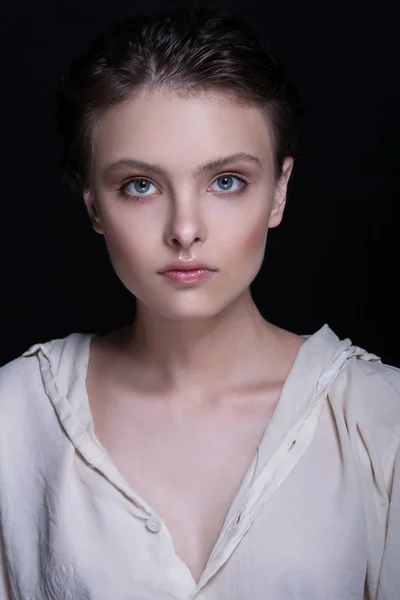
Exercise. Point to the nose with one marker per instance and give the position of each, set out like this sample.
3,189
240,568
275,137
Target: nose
185,228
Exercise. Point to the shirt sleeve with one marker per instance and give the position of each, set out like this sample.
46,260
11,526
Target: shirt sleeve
389,580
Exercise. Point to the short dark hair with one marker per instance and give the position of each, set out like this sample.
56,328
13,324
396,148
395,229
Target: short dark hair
186,50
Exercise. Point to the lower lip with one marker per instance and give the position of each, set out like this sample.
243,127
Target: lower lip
194,276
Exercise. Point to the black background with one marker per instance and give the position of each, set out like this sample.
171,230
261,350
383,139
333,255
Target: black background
334,259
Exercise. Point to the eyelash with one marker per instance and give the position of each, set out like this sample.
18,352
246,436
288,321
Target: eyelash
125,194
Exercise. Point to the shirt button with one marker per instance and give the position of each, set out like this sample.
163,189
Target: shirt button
153,524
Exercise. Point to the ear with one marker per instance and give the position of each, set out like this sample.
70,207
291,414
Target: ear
280,193
89,199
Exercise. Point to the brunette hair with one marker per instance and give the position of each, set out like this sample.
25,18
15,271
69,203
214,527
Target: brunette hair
186,50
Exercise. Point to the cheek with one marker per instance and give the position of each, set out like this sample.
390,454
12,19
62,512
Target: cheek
129,259
246,254
254,239
128,253
119,232
128,249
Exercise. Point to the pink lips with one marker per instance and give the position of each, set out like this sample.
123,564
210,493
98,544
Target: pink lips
189,276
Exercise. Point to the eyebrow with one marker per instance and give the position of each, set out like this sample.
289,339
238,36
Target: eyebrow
215,163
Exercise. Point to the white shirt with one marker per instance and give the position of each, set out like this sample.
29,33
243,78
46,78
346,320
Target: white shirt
317,516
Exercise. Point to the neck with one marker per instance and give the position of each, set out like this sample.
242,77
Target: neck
195,356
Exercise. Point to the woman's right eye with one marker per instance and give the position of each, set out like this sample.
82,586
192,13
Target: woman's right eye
137,187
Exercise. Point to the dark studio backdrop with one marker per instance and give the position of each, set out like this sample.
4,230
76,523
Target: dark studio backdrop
335,257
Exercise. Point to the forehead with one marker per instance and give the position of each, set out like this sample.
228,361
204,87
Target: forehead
180,131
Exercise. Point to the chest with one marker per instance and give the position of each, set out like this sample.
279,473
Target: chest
188,469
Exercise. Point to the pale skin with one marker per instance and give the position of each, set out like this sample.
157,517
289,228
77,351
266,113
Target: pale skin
181,397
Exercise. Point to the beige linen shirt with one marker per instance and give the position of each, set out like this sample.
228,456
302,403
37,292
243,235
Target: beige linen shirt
317,516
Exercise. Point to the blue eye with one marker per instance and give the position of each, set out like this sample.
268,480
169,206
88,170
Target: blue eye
140,187
226,183
137,187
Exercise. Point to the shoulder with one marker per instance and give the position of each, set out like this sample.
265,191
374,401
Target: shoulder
24,378
367,395
23,371
376,389
21,407
18,377
370,388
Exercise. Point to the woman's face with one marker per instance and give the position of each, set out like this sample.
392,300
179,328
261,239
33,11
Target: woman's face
218,213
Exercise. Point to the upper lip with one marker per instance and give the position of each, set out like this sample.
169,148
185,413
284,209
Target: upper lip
186,265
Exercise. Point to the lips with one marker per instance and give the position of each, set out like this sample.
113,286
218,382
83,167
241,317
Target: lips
189,276
187,270
185,266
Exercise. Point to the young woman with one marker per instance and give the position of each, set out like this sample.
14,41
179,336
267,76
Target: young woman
202,451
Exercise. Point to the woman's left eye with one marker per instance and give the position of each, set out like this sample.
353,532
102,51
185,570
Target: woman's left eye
226,183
